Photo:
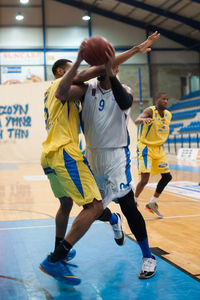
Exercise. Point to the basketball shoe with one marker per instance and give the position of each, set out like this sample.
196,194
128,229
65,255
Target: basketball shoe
59,271
118,231
71,254
153,208
148,268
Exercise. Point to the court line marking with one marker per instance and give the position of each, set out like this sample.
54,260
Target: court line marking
172,217
177,195
30,285
96,223
38,227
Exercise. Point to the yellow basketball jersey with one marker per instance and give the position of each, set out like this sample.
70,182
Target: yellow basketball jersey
155,133
61,119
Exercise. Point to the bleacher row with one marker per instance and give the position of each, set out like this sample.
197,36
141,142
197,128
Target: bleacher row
192,127
185,124
186,114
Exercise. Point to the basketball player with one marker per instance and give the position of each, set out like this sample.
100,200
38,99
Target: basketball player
53,147
69,176
105,111
153,132
62,216
59,68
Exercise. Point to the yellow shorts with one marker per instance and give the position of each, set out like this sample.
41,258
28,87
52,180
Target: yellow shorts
70,175
151,159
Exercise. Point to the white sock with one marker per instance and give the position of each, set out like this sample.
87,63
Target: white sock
153,200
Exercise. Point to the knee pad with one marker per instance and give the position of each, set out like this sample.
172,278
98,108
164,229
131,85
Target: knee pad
166,177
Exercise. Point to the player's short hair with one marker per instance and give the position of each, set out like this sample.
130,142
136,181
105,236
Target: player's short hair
159,94
60,63
101,78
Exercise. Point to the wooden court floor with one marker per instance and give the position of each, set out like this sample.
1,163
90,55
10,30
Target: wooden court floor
25,194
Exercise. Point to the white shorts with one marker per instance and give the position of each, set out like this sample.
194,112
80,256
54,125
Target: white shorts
112,171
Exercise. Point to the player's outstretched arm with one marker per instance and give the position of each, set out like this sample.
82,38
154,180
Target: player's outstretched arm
89,73
92,72
145,117
141,48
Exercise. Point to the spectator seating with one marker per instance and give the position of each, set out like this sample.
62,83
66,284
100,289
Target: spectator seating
191,95
184,129
192,127
185,104
173,126
188,114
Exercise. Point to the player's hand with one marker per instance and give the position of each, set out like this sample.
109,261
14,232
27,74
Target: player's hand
80,52
147,121
110,62
145,46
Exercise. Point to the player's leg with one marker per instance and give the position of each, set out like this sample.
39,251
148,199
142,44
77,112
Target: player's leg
78,183
152,206
159,166
58,271
144,179
62,218
115,220
83,221
144,161
61,221
165,179
101,161
138,228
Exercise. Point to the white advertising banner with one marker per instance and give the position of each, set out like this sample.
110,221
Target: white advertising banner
189,154
22,58
21,74
51,57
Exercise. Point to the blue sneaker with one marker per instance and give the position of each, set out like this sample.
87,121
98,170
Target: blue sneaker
71,254
59,270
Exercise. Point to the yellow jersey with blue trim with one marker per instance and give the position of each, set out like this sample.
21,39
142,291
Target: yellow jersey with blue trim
155,133
61,119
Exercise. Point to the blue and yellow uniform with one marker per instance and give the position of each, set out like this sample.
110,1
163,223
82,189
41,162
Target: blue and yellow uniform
151,157
64,164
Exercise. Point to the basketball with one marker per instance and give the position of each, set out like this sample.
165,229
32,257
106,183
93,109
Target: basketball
95,51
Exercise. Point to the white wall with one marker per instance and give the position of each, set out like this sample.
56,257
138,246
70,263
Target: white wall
174,57
66,29
66,37
20,37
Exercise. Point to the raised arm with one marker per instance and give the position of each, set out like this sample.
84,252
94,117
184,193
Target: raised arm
141,48
95,71
65,89
145,117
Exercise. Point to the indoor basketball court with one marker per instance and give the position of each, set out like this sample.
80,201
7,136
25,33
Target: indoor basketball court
33,35
107,271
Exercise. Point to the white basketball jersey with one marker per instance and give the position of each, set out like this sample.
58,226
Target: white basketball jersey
104,123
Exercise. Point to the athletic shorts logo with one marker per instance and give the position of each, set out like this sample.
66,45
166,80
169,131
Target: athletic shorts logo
123,186
164,165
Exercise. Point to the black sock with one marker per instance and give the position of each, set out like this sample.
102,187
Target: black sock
57,242
61,251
